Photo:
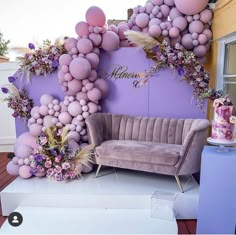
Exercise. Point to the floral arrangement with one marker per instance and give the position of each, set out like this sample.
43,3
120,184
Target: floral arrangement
43,60
224,107
3,45
55,159
17,100
177,58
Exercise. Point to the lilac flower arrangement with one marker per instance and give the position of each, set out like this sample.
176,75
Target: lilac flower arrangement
43,60
55,159
18,101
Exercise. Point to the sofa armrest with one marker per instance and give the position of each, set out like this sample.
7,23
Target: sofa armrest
193,144
94,129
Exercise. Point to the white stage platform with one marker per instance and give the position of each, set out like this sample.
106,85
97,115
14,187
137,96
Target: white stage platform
122,198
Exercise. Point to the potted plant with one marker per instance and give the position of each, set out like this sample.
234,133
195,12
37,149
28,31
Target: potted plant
3,49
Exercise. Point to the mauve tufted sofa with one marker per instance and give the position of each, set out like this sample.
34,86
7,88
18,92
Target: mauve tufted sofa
160,145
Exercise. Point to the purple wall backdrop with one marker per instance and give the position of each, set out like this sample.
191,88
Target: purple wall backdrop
163,96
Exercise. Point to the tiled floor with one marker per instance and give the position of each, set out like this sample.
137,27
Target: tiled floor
184,226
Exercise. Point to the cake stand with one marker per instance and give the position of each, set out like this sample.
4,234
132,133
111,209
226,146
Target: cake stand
221,144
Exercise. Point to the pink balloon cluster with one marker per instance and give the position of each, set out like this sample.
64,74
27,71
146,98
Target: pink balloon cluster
70,113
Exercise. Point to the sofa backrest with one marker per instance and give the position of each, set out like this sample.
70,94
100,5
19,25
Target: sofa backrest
162,130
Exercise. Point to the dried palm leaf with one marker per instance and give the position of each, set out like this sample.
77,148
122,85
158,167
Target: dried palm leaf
12,90
84,156
51,139
141,39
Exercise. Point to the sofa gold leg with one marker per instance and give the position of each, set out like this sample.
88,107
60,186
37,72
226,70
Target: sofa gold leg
99,167
179,184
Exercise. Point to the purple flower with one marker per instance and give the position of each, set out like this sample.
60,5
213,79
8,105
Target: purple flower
156,49
181,71
55,63
38,158
4,90
11,79
31,46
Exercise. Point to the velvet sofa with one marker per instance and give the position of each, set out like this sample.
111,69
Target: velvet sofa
160,145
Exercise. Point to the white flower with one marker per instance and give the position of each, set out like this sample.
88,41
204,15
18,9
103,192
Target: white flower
232,119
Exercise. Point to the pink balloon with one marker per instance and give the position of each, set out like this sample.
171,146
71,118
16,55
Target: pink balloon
65,59
34,110
27,139
196,17
70,43
202,60
92,107
169,2
95,16
157,2
63,107
136,28
35,129
155,31
190,7
13,169
47,121
80,68
84,46
74,108
189,19
208,33
65,118
94,94
25,172
96,39
22,150
43,110
110,41
202,38
68,77
121,30
175,40
73,146
180,22
196,27
75,86
154,21
81,95
165,10
102,85
92,76
93,59
73,135
20,161
89,86
174,32
81,28
46,99
187,41
149,6
174,12
142,20
200,50
206,16
64,68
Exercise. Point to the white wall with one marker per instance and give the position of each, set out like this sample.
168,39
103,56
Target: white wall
7,122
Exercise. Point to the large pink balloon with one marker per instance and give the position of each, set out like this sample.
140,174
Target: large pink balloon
110,41
80,68
206,16
94,94
95,16
187,41
180,22
27,139
65,118
142,20
96,39
70,43
155,30
13,169
93,60
190,7
81,28
196,26
47,121
22,150
74,108
35,129
84,46
25,172
75,85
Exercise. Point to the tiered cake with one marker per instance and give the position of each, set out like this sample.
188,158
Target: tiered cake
223,125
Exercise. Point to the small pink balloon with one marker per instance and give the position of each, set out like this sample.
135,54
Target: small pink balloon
200,50
155,31
85,81
93,76
12,169
196,27
91,28
110,41
174,12
68,77
26,161
92,107
84,46
75,85
20,161
25,172
165,33
121,29
149,6
70,43
95,16
190,7
196,17
80,68
165,10
136,28
43,110
81,95
47,121
180,22
54,121
64,68
36,115
40,121
96,39
189,19
93,59
73,146
187,41
169,2
56,107
94,94
157,2
15,160
154,21
73,135
46,99
31,121
63,107
65,59
142,20
34,110
174,32
113,28
81,28
35,129
22,150
206,16
208,33
65,118
202,60
195,42
89,86
194,35
74,109
202,38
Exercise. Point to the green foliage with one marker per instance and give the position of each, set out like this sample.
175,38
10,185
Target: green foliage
3,46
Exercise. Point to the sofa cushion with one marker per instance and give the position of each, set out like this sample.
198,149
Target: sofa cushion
139,151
